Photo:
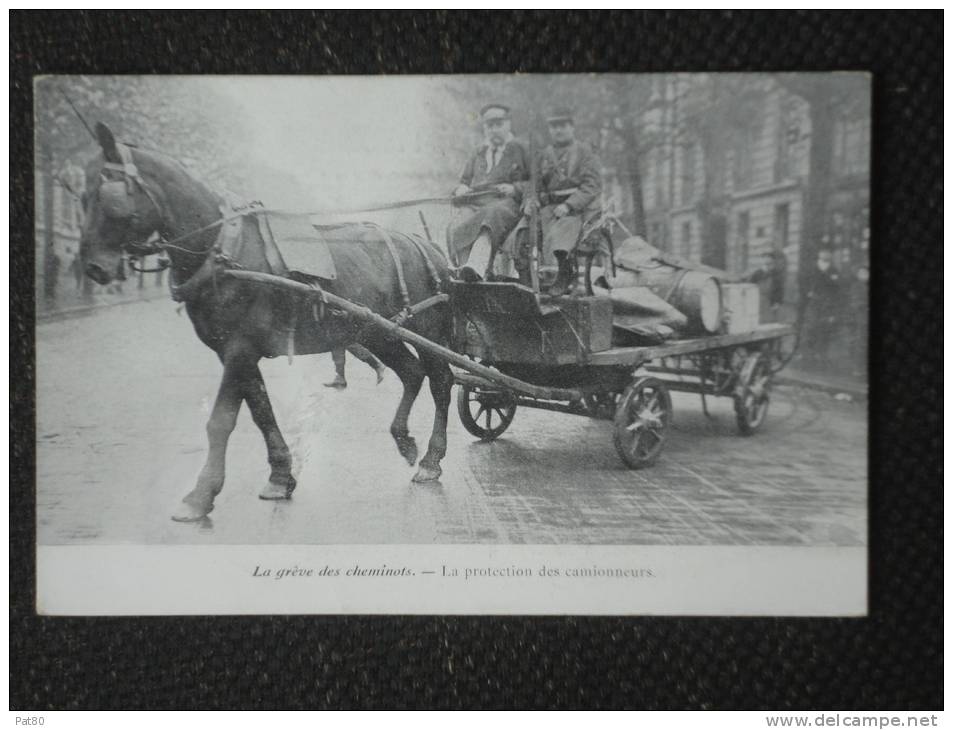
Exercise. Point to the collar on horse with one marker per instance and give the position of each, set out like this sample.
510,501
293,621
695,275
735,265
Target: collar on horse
220,255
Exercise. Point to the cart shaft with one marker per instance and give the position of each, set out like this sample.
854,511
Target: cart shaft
406,335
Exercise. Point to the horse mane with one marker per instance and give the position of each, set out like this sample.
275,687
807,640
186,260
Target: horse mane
183,190
169,170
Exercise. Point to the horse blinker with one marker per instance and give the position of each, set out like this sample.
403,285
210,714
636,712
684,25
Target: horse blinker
115,199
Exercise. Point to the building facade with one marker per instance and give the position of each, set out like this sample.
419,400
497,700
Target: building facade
59,222
726,173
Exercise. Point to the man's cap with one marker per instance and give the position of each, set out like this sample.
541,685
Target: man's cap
560,114
495,111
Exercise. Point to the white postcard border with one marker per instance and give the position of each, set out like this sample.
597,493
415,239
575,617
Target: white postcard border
634,580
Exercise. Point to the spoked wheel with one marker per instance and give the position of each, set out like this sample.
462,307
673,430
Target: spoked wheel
642,420
485,413
751,394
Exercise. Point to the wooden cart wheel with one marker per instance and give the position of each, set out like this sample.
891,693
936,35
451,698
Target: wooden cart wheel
485,413
642,420
751,393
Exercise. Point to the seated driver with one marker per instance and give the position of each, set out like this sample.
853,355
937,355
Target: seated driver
499,168
569,185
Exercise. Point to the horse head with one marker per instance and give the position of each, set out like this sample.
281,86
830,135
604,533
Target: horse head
121,210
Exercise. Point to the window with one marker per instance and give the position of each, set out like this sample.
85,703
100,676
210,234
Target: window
782,224
689,164
687,239
658,164
743,235
789,133
649,173
745,142
851,147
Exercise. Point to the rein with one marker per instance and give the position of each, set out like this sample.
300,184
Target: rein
214,255
159,246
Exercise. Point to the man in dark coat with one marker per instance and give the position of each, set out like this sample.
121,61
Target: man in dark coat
858,309
569,187
824,304
492,181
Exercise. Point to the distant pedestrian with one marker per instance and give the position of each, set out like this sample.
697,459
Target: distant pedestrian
769,276
858,308
76,269
53,274
822,314
362,354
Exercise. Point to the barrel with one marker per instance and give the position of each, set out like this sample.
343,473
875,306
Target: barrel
696,294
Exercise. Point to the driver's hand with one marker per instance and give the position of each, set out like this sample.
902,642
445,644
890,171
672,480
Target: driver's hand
531,206
561,210
461,190
506,189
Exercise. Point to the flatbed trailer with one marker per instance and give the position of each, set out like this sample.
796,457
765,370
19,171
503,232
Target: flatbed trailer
632,386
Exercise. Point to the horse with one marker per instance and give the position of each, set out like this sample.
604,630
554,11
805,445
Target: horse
134,194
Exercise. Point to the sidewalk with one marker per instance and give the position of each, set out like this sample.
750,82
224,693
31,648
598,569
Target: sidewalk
831,383
73,303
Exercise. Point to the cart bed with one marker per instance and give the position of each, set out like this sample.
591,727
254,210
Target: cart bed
639,355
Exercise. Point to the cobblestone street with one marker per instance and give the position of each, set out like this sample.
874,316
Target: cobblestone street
123,395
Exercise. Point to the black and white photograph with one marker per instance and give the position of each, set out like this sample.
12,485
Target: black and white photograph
543,343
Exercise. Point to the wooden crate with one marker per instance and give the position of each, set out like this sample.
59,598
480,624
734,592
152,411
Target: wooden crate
503,322
742,304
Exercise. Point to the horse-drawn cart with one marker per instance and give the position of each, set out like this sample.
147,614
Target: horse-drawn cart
513,347
511,344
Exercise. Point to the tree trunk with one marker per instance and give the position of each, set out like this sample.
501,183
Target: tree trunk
633,155
639,226
50,269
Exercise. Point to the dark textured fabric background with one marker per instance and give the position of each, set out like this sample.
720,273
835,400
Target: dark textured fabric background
890,660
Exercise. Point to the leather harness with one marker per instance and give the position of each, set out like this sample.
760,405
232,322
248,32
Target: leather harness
222,253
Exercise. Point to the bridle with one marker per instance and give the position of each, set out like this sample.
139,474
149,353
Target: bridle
126,172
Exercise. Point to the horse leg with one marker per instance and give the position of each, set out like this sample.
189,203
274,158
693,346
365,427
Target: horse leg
441,383
398,358
281,483
200,501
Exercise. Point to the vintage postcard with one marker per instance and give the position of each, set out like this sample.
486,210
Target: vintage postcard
494,344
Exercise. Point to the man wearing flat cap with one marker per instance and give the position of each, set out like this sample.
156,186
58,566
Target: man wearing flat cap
569,185
492,185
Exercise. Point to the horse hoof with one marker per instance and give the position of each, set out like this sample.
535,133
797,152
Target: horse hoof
274,492
190,513
428,474
407,447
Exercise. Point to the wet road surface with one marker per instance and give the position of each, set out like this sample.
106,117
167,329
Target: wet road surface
123,395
